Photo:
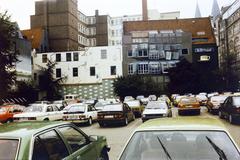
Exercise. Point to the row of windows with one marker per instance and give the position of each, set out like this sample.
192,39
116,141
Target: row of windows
85,19
150,68
92,71
86,30
117,32
117,42
120,21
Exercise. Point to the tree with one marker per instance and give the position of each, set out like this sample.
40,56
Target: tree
8,54
134,85
187,77
48,83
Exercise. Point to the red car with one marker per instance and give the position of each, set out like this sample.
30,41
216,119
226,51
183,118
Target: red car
7,112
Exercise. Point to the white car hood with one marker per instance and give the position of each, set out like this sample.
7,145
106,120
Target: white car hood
155,111
30,114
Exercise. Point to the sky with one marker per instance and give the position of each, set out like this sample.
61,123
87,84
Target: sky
113,8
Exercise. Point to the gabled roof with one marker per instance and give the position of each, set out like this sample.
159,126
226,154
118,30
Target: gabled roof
200,28
35,36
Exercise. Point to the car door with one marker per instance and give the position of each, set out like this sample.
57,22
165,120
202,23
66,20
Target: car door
79,144
50,113
224,106
58,114
49,145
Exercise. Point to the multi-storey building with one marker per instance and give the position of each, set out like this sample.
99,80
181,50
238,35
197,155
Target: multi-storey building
88,73
151,47
67,28
228,33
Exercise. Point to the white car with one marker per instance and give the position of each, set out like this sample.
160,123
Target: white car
80,113
39,112
156,109
202,99
99,105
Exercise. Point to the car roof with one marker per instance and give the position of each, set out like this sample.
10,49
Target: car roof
182,123
26,129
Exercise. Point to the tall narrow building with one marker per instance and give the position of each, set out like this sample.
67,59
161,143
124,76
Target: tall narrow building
197,12
215,9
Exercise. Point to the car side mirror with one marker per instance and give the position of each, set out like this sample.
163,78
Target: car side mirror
93,138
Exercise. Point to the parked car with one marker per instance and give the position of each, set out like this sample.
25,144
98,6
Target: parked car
136,107
156,109
214,103
51,140
165,99
8,111
80,113
230,109
115,113
177,99
60,104
128,98
99,105
140,97
181,138
39,112
202,99
188,105
152,98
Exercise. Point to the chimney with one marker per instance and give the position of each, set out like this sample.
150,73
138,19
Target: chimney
96,12
144,10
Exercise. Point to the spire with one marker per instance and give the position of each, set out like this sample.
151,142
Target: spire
197,12
215,9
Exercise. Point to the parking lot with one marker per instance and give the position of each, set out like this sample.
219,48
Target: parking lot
117,136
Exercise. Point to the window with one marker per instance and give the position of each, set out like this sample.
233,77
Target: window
58,72
130,69
44,58
8,148
74,138
185,51
58,57
143,68
103,54
92,71
154,68
130,53
75,56
113,70
49,146
75,72
68,57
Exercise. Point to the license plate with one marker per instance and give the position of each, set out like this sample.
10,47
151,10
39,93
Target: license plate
73,117
108,116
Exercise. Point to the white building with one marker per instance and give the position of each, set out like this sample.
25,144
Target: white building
88,73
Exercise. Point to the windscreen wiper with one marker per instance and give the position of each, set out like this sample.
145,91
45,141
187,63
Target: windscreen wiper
164,148
220,152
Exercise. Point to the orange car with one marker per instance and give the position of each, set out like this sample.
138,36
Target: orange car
187,105
7,112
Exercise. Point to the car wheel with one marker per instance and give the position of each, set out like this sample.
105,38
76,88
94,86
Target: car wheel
230,118
101,124
46,119
90,121
9,121
220,114
170,114
126,121
104,155
134,117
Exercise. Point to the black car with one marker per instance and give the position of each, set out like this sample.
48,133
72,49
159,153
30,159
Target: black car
230,109
115,113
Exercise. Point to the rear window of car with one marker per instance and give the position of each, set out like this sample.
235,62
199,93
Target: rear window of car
113,108
133,103
8,148
188,100
236,101
77,108
155,105
220,99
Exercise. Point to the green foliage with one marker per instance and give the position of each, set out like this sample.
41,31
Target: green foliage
48,83
134,85
190,78
8,55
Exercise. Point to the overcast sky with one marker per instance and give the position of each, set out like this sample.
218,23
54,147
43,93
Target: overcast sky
113,8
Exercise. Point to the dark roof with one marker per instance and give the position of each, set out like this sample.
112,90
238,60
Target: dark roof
191,25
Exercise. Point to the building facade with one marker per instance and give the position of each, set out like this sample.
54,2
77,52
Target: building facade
88,73
228,34
151,47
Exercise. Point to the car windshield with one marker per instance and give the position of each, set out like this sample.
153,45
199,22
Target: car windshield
133,103
3,110
188,100
99,104
236,101
112,108
156,105
8,149
35,108
80,109
219,99
179,145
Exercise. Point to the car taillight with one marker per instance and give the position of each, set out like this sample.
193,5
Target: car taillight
118,115
100,116
16,119
32,118
238,110
82,116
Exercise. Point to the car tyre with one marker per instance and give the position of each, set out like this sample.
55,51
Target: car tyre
220,115
101,124
90,121
9,121
170,114
126,121
230,118
46,119
104,155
